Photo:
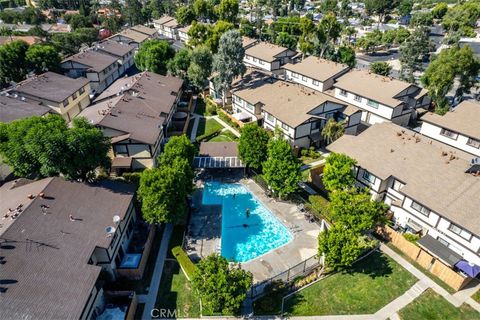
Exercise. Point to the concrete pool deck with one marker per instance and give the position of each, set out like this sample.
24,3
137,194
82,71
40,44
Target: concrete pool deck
204,235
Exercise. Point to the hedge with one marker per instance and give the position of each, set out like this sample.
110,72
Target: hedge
227,119
185,263
320,206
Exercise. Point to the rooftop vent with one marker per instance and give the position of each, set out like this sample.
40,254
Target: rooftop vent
474,167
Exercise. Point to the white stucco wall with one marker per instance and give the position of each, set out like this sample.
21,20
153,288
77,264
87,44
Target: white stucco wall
433,132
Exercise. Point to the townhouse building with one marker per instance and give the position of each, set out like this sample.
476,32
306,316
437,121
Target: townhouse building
73,236
380,98
150,32
132,36
299,112
99,68
135,113
122,51
315,73
431,187
248,42
459,128
64,95
267,57
12,108
183,34
167,26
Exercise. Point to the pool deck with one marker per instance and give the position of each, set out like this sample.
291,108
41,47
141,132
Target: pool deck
205,231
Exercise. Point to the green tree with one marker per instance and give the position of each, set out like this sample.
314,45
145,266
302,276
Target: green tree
346,55
42,57
451,63
252,146
439,10
338,172
178,66
282,169
327,6
153,55
13,66
354,209
216,33
421,19
381,68
221,288
133,12
412,52
227,10
379,7
285,40
328,31
203,10
185,15
333,130
228,61
340,245
200,67
177,147
404,7
77,21
198,34
463,17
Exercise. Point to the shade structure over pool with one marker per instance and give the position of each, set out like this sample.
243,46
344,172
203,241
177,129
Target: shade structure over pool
468,268
218,155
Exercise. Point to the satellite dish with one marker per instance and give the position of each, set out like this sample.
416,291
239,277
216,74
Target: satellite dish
116,219
110,230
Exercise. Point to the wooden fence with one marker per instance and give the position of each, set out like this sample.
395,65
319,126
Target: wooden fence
436,267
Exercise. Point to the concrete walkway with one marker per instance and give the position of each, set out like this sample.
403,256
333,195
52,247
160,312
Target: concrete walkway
313,164
196,119
151,297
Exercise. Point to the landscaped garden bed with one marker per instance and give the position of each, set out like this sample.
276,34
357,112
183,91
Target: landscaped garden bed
430,305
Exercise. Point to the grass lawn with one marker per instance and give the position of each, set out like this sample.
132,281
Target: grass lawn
207,126
308,160
225,136
476,296
366,288
176,293
432,306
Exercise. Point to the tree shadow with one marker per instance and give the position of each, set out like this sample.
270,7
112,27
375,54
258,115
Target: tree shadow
375,265
168,298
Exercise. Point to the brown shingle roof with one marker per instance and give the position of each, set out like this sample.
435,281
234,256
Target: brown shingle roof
140,110
51,86
144,30
94,60
134,35
372,86
265,51
247,42
317,68
50,254
163,20
218,149
465,119
13,108
114,48
433,179
28,39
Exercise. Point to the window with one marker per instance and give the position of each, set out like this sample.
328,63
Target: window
74,96
372,104
445,243
247,57
417,206
250,106
315,82
343,93
285,127
65,102
294,75
473,143
316,125
261,62
82,90
121,149
455,229
304,78
357,98
449,134
369,177
397,185
269,117
255,60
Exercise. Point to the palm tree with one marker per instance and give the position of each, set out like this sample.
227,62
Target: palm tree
333,130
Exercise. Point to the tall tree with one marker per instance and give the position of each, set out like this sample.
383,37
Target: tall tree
404,7
42,57
381,68
412,52
379,7
439,10
282,169
338,172
216,33
340,245
228,61
200,67
178,66
252,146
133,12
153,55
185,15
327,6
462,17
333,130
221,288
13,66
328,31
228,10
203,10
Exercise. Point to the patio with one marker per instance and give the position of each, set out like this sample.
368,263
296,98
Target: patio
204,235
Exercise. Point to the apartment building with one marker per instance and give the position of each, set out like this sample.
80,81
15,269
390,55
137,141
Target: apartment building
62,235
299,112
99,68
267,57
122,51
167,26
315,73
132,37
431,187
183,34
12,108
64,95
135,113
380,98
150,32
459,128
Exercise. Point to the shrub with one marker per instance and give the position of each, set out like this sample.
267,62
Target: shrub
319,205
310,152
227,119
208,135
411,237
211,108
132,177
185,263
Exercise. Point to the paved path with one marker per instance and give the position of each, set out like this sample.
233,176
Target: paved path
151,297
196,119
313,164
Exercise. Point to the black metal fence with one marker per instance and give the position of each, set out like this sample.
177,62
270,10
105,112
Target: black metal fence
302,269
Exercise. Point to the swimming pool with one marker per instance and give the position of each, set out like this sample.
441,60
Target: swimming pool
244,238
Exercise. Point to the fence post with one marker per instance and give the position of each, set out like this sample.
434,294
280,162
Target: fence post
288,275
304,266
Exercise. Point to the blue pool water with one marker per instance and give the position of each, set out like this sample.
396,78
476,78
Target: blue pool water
239,243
